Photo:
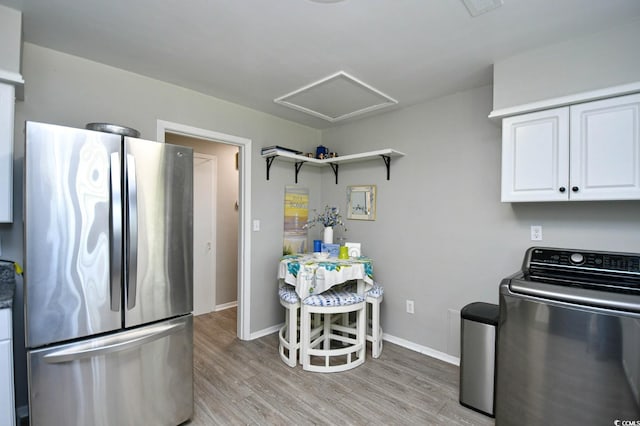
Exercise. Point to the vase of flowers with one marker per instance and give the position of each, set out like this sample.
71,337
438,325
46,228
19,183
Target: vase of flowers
329,218
327,237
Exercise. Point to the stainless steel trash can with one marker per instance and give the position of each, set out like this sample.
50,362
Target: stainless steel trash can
478,356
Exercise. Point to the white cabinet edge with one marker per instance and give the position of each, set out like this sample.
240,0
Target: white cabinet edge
15,80
7,395
609,92
7,103
6,331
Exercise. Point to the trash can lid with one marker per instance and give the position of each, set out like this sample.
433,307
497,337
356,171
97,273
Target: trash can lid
486,313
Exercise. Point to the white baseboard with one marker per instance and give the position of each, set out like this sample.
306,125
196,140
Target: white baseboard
266,331
226,306
422,349
425,350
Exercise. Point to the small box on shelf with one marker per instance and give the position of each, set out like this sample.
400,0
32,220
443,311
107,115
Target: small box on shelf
332,249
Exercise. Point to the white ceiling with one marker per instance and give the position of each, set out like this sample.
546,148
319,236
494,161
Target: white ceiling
253,51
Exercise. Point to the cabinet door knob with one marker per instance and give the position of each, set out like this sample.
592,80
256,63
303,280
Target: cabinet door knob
575,189
562,189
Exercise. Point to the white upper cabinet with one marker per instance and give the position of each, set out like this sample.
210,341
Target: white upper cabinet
7,105
605,149
535,156
588,151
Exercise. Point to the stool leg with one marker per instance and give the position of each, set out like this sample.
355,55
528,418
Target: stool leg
362,331
345,319
326,331
292,335
305,335
376,344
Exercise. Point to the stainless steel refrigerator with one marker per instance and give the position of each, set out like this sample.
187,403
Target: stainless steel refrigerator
108,278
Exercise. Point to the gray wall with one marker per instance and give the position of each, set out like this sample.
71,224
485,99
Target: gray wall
442,237
71,91
597,61
226,214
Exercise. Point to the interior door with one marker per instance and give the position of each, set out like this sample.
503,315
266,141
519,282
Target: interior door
204,237
159,236
70,177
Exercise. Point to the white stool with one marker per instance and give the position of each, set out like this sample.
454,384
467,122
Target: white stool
288,334
374,297
317,342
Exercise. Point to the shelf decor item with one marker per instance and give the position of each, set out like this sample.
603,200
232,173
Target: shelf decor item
322,152
329,218
332,249
327,237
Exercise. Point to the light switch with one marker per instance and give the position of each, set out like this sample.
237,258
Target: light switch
256,225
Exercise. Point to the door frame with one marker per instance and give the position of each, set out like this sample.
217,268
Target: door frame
244,234
213,217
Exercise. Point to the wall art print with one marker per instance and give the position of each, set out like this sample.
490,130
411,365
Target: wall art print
296,213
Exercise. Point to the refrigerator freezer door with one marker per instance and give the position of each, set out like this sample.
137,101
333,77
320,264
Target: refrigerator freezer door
136,377
159,211
68,241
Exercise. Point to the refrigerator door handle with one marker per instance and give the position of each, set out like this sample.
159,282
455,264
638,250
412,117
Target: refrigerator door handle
132,237
116,232
110,345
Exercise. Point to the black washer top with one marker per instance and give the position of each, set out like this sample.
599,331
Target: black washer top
485,313
598,270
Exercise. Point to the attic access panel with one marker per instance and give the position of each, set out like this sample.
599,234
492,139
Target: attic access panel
478,7
336,97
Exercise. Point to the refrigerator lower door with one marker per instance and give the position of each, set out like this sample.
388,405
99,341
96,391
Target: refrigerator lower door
136,377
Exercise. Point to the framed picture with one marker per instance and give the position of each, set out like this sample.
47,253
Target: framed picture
361,202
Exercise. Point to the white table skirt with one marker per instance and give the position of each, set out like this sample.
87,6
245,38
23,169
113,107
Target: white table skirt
310,275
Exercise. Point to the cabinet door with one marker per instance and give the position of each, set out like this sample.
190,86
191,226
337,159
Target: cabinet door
7,100
7,406
535,156
605,149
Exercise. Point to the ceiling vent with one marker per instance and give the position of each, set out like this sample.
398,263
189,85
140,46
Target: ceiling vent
478,7
336,97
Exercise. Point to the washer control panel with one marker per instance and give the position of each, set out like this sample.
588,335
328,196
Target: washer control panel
582,260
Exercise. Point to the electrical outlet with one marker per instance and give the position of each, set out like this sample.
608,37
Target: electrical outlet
256,225
410,307
536,233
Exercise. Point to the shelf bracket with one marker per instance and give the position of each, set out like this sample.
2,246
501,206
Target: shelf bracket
334,166
269,162
387,162
298,167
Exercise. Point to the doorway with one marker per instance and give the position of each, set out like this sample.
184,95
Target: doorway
242,147
205,182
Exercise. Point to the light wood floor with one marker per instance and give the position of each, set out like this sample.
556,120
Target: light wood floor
246,383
